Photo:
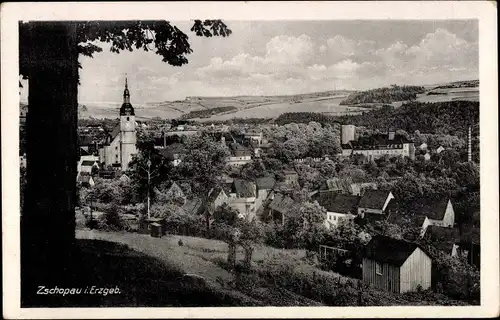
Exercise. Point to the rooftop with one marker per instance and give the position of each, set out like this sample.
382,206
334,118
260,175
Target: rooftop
339,203
389,250
432,209
373,199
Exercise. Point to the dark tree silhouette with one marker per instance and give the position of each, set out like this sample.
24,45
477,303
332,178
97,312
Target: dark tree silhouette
49,59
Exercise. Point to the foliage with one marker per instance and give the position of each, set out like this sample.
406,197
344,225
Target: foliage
159,170
303,117
203,163
451,118
384,95
169,41
207,113
299,140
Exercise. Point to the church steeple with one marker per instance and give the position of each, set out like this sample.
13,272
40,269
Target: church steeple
126,108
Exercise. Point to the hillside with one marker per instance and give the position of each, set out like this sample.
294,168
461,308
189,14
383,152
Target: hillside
245,107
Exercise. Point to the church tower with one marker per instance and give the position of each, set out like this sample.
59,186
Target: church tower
127,130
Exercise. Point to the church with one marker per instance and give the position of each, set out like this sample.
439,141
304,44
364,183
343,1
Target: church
120,144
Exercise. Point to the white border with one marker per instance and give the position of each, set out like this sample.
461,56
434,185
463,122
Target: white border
177,11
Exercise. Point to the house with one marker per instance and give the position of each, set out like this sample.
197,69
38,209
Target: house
357,189
444,239
86,166
193,206
239,155
396,265
338,206
216,197
85,180
427,157
264,186
279,207
291,176
374,202
254,135
124,178
243,198
335,185
438,212
379,145
174,192
173,153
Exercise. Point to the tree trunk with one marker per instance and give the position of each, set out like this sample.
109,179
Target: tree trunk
48,219
247,263
231,255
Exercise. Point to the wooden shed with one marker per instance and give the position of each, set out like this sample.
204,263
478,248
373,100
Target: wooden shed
145,225
396,265
156,230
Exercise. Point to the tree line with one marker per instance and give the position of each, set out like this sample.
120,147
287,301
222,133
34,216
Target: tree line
384,95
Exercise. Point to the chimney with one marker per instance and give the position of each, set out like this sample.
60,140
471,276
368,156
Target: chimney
469,155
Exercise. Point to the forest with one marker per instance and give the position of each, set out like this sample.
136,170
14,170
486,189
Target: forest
384,95
206,113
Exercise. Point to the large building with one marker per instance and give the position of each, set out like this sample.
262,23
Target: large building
376,145
120,144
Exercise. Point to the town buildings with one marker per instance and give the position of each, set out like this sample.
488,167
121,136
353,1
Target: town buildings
376,145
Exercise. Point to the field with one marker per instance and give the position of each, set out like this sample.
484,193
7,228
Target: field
327,102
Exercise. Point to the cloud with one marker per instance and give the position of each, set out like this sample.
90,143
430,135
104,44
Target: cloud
301,64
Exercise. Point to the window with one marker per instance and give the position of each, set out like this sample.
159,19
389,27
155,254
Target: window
128,118
378,268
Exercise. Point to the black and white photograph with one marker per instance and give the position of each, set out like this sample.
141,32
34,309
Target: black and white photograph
219,161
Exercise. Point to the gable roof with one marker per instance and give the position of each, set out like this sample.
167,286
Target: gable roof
373,199
243,188
265,182
398,218
389,250
356,188
433,209
339,203
335,184
193,206
171,152
214,193
282,203
88,163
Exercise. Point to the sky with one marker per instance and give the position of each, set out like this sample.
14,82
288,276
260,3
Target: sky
290,57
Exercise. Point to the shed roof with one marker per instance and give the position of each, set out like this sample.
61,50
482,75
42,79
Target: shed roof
389,250
373,199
